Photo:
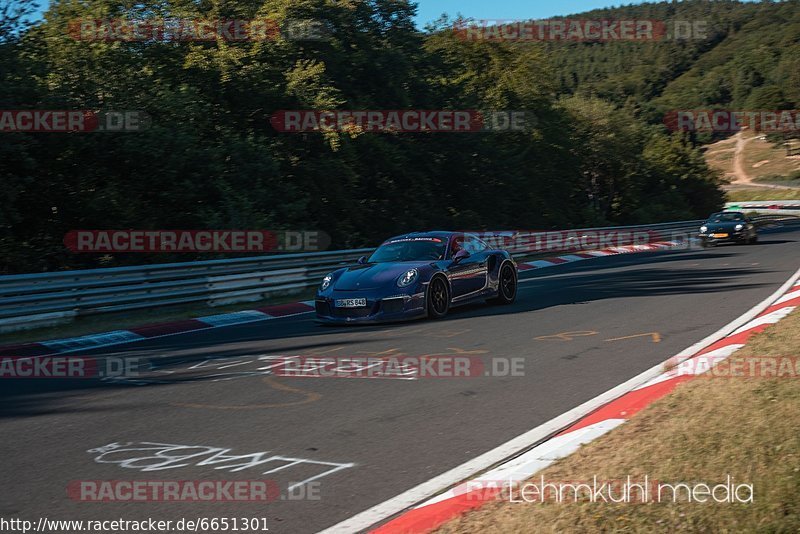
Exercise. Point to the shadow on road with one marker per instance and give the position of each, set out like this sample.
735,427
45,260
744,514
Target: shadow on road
215,354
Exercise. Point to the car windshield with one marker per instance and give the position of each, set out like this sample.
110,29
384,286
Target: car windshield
410,249
726,217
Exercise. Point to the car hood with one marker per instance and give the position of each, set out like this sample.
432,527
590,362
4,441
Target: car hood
374,275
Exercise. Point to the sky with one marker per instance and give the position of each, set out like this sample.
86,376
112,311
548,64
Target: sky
429,10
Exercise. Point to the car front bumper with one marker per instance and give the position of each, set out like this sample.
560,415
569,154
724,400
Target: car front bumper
731,237
378,309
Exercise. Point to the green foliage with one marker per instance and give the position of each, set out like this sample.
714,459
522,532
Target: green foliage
596,155
762,193
749,58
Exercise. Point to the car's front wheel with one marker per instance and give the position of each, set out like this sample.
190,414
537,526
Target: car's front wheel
507,285
438,298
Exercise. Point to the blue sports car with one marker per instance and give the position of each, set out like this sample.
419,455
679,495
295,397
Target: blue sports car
417,275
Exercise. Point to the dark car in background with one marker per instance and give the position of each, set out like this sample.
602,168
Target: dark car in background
728,227
417,275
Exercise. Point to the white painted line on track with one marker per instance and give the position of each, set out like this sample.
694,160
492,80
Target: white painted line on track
240,317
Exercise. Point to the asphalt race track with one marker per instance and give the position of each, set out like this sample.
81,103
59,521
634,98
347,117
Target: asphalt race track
580,328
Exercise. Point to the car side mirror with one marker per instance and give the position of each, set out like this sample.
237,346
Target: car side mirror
460,255
362,260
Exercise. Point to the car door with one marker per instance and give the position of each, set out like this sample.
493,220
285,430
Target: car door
468,276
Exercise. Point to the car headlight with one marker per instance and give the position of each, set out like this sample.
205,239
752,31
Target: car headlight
326,282
739,226
408,278
704,229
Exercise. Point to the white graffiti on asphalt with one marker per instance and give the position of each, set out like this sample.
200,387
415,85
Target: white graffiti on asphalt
218,370
161,456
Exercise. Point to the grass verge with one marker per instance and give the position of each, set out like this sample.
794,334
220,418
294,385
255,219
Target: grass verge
706,429
789,181
743,195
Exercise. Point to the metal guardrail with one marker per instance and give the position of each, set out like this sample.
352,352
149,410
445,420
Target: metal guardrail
767,209
770,205
32,300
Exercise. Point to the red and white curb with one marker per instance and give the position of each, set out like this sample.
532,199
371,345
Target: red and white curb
118,337
472,486
613,251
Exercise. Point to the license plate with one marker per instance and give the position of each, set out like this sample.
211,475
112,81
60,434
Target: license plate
351,303
719,235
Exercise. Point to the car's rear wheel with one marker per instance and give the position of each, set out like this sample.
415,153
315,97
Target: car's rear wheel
507,285
438,298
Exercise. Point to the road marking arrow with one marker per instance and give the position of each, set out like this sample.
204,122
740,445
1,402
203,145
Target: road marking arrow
655,335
